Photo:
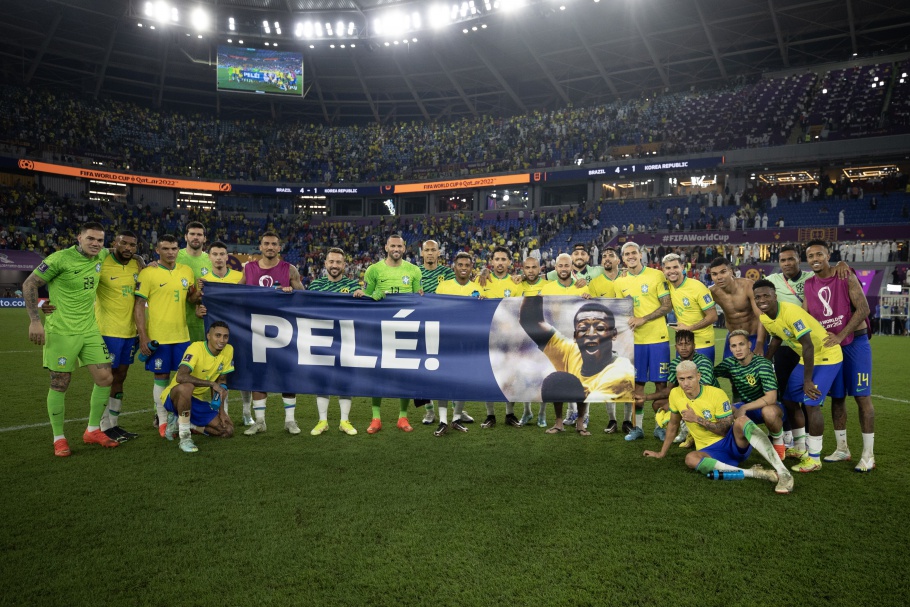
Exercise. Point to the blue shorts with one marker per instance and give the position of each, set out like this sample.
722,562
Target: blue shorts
122,349
166,358
756,414
652,362
856,373
727,353
708,352
201,412
824,377
727,451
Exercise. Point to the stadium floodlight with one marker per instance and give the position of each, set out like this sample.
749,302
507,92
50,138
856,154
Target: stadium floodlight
199,19
351,28
240,42
487,5
308,29
230,41
312,46
339,29
386,43
454,14
413,39
162,10
149,9
396,42
152,27
139,24
415,20
353,46
328,30
278,31
342,46
465,30
438,16
199,36
463,11
510,5
331,46
265,26
298,30
175,16
824,91
484,26
231,25
474,28
472,7
266,43
319,29
377,26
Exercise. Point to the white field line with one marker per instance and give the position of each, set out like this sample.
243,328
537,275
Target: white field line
35,351
77,419
897,400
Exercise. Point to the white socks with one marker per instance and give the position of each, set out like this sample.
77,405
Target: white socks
290,405
322,405
259,410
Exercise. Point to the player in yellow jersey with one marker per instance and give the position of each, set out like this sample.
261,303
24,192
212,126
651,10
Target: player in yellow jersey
721,442
114,311
499,285
693,304
463,286
195,396
650,304
530,286
165,288
589,356
811,380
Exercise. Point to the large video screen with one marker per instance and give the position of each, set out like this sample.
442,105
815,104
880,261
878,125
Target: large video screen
252,70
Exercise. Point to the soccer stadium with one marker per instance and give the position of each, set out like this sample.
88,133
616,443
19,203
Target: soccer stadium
284,262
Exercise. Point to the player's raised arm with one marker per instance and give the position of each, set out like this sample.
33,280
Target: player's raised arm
530,317
30,293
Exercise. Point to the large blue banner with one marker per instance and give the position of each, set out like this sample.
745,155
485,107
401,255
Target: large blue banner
431,346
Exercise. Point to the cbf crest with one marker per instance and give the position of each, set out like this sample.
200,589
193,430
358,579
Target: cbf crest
184,282
644,288
97,268
406,279
686,301
706,413
507,293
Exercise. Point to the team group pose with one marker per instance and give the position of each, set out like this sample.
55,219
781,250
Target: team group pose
104,306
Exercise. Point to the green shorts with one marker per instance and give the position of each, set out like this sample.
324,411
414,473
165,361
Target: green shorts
64,353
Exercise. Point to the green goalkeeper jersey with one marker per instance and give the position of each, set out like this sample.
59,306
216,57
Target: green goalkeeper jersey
72,279
385,279
202,268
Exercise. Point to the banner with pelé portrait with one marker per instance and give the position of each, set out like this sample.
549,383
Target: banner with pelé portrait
431,346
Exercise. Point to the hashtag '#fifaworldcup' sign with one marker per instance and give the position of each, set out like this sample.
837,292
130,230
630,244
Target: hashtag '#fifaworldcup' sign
432,346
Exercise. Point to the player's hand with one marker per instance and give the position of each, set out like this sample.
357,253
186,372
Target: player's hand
378,295
580,283
641,398
286,289
654,454
811,390
47,307
152,264
586,295
220,391
842,270
144,346
199,286
201,311
635,322
737,413
420,292
759,351
682,327
36,332
358,293
517,278
833,340
689,414
482,277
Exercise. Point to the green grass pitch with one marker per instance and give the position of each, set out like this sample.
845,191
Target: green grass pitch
502,516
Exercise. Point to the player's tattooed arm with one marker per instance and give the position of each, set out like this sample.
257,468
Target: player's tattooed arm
665,306
185,376
719,427
30,294
295,279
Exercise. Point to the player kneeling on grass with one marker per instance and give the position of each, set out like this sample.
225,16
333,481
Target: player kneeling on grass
720,442
194,397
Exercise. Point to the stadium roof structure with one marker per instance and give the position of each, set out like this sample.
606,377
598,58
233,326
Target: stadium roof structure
390,65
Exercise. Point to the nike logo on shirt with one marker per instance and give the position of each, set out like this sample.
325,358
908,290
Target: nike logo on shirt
162,284
114,277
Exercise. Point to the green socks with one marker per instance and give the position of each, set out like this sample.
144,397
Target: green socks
706,465
97,402
376,402
403,403
56,404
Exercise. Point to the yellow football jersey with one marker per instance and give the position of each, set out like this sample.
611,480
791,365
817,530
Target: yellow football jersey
233,277
554,287
203,365
711,404
614,383
115,297
602,286
166,293
793,322
527,289
498,288
646,288
690,300
453,287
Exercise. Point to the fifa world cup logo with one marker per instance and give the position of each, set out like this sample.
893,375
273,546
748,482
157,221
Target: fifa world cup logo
824,295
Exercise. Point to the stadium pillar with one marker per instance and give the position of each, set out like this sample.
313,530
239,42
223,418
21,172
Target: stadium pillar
591,196
536,193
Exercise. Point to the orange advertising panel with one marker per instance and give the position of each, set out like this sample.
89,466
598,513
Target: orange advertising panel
457,184
161,182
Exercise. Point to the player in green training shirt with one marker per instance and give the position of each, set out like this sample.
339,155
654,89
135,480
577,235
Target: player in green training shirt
755,385
335,282
432,273
72,336
392,275
198,261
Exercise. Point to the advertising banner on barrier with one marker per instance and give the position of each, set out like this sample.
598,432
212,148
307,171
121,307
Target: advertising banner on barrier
12,302
20,261
432,346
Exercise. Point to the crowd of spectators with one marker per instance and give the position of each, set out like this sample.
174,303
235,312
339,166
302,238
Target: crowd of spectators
128,136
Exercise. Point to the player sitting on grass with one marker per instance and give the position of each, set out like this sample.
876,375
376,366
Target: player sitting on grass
194,396
720,442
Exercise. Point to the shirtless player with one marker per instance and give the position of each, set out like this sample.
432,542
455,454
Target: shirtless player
734,296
